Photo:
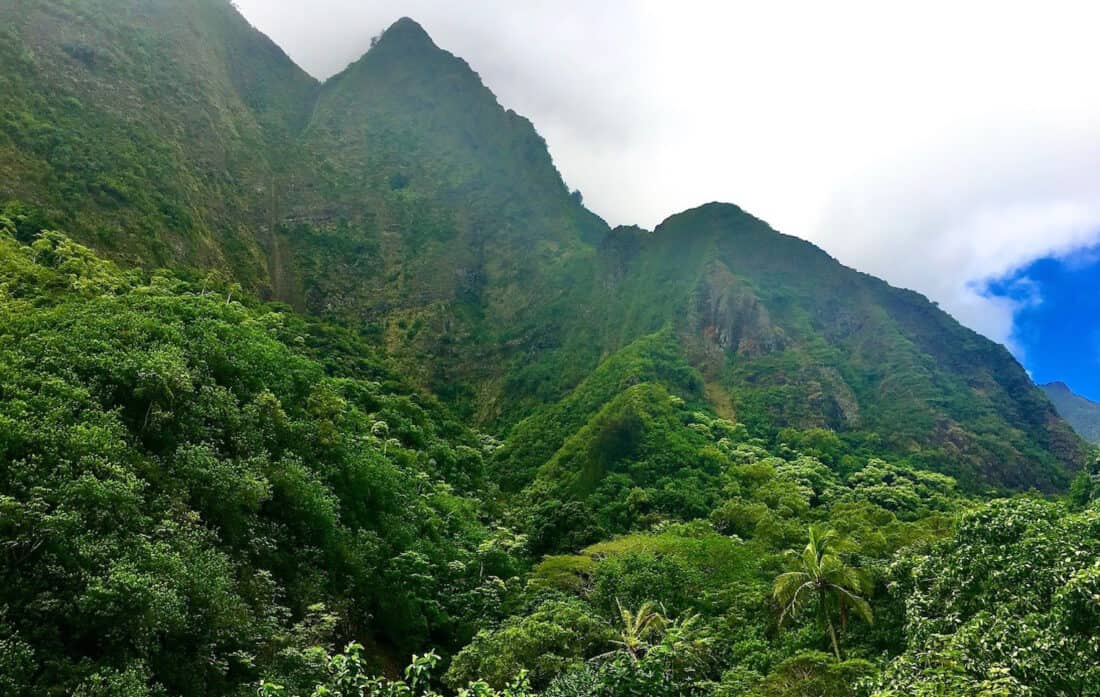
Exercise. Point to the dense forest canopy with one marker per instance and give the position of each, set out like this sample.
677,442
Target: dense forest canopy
338,390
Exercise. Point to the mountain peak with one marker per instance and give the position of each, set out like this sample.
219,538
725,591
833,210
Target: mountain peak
715,211
405,32
716,218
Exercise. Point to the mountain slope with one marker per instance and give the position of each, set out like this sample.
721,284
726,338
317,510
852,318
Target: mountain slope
401,199
1081,413
191,489
206,494
437,215
788,337
152,129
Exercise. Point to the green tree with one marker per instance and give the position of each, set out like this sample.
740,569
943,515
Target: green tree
349,676
814,674
823,578
639,627
554,637
1008,605
1081,491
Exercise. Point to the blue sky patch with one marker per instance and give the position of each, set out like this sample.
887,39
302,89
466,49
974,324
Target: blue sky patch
1057,327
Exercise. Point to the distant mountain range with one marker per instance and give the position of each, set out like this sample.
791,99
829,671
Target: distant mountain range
1082,413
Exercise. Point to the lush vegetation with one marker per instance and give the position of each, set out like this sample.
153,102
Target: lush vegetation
199,495
189,496
152,129
401,200
484,446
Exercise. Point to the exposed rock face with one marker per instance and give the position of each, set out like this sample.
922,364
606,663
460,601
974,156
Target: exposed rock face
728,313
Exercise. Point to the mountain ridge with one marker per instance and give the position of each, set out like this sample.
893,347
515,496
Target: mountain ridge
344,373
1081,412
737,278
399,197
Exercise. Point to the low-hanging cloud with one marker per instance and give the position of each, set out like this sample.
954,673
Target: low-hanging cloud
938,145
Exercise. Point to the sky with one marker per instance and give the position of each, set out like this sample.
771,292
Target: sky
947,147
1061,347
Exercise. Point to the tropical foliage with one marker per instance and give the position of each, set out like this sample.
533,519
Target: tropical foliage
336,389
823,579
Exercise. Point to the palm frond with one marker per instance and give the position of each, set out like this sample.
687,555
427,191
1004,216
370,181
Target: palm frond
860,605
796,600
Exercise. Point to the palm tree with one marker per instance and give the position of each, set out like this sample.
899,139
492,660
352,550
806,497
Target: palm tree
639,627
824,577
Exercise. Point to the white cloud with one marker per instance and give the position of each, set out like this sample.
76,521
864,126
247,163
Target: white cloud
934,144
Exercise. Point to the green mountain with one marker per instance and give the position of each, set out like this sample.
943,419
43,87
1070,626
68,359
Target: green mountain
1081,413
788,337
437,217
400,198
154,130
288,367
